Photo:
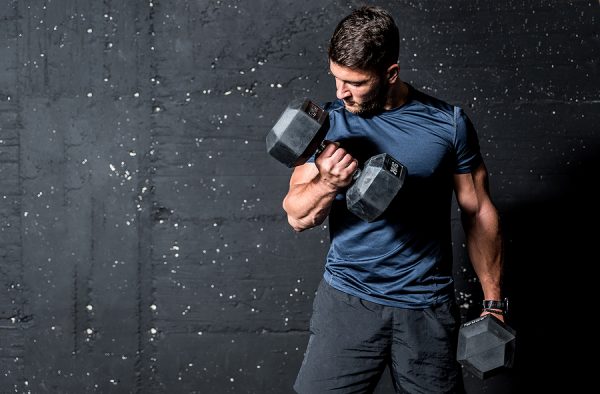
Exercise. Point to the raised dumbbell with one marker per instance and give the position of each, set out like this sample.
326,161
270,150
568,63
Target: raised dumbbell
486,345
299,133
375,186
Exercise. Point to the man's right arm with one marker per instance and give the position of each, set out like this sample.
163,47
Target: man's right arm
313,187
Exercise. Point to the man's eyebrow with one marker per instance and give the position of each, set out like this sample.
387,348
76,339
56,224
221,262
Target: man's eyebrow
354,82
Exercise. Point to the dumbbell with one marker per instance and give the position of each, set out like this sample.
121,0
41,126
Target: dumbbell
486,345
299,133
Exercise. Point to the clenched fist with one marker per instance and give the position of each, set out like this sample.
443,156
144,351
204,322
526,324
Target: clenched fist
336,166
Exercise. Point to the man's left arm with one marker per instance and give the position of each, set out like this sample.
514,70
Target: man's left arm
482,228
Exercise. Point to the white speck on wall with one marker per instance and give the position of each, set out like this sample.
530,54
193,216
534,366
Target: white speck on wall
89,30
89,307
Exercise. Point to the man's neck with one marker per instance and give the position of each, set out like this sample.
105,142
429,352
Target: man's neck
397,95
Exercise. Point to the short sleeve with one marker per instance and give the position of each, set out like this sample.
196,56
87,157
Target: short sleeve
327,107
466,143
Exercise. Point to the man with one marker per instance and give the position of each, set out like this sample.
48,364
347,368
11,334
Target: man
387,298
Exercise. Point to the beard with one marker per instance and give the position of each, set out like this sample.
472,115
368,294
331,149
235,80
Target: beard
375,102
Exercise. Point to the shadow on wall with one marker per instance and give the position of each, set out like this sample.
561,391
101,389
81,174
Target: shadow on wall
551,254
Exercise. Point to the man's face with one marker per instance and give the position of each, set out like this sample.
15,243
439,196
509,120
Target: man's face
363,92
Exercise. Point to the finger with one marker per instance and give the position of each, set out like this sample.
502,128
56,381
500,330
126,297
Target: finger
350,169
345,161
338,155
330,148
353,165
500,316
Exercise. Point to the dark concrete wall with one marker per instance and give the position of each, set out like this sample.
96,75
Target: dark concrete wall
143,247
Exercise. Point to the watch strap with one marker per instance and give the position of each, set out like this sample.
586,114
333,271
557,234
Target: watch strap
496,305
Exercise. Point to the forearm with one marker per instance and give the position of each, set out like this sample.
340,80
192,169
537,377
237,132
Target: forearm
308,204
484,245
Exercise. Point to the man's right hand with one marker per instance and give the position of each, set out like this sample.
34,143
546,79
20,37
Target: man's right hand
336,166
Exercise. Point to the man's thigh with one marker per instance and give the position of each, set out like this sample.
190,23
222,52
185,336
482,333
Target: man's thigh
424,350
348,347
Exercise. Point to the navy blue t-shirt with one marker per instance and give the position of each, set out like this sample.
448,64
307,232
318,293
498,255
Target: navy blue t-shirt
404,257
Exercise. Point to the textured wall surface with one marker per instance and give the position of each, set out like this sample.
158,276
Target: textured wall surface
143,248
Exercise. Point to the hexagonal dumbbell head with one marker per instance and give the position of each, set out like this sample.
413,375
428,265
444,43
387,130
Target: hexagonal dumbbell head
375,186
485,345
298,132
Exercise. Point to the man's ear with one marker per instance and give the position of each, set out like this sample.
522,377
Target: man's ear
392,73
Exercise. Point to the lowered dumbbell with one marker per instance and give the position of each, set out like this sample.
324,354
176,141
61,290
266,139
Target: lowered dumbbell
299,133
486,345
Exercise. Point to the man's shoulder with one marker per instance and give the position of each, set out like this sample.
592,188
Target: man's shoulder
334,106
433,104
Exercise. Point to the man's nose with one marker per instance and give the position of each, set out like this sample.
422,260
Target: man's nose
342,91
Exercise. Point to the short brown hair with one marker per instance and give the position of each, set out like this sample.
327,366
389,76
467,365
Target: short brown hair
366,39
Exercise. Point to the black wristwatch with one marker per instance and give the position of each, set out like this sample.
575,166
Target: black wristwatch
490,305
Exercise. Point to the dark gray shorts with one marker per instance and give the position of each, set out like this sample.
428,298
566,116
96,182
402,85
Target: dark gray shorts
353,340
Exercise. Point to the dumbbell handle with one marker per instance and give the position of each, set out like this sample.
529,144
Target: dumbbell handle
320,149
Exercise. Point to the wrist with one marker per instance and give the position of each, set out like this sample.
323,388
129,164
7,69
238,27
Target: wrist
496,306
326,186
